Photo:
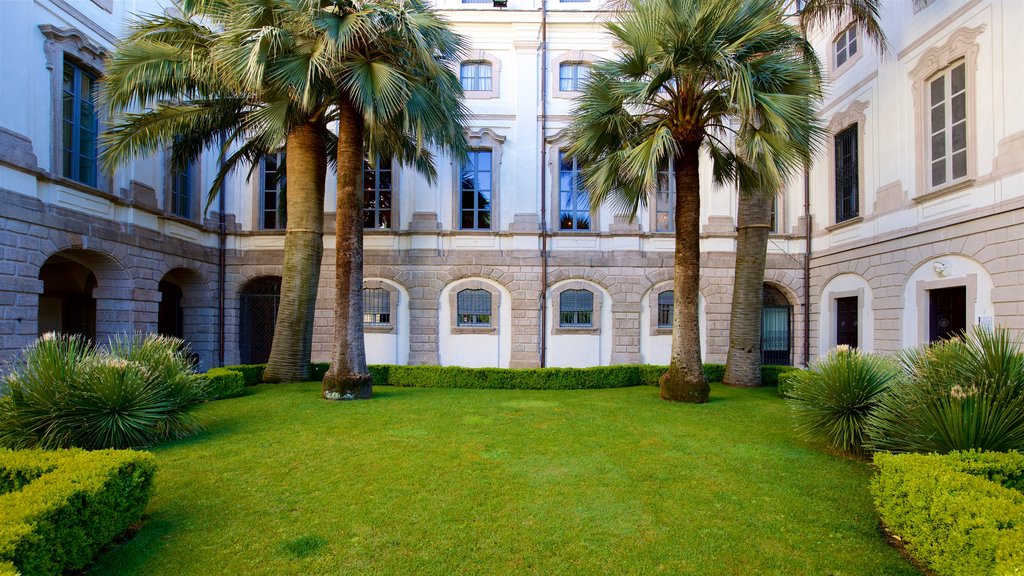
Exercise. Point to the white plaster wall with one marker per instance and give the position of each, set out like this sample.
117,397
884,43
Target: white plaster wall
580,350
865,318
657,349
959,267
475,350
391,348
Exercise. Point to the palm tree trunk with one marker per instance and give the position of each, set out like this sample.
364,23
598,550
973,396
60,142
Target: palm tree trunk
743,365
685,381
303,250
348,377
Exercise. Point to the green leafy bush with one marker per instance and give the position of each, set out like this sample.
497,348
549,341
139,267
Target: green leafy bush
771,374
786,382
317,370
252,373
63,393
834,398
223,383
957,395
950,516
73,504
514,378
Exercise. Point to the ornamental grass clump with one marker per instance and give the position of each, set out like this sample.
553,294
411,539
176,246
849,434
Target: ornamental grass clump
834,398
957,395
65,393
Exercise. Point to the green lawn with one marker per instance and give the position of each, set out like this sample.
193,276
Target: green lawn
436,481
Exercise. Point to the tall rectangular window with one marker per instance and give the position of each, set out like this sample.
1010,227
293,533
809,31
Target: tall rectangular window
664,202
846,321
948,125
573,198
846,45
666,308
572,76
773,216
181,191
847,185
475,76
377,195
273,215
376,307
475,191
80,125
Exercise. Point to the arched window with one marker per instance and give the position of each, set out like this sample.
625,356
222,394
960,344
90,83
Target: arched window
776,328
474,308
666,308
475,76
576,309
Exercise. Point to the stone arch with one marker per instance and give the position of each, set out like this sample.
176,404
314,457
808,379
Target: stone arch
187,309
593,275
845,285
940,272
655,341
257,302
387,343
478,346
89,292
587,345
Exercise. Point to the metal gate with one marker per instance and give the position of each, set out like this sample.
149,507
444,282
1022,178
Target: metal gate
259,300
775,335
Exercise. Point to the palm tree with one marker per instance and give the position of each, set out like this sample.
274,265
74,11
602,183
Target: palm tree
214,72
721,77
743,363
393,61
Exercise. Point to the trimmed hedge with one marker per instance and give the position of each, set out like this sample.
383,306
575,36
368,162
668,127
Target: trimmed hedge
74,503
786,381
514,378
950,515
223,383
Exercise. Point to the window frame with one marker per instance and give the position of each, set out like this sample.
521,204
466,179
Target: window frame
948,126
850,35
72,158
453,305
261,193
481,57
393,300
557,214
852,115
847,197
476,210
377,189
655,209
571,57
481,139
555,298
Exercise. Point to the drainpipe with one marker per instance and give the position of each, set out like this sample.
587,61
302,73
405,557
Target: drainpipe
543,182
223,228
807,267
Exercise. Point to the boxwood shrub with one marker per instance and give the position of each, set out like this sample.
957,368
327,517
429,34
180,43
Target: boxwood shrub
957,513
223,383
61,507
252,373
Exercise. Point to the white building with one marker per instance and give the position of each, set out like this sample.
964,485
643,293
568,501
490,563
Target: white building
457,278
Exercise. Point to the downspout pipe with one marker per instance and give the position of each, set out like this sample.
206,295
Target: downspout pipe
543,182
222,257
807,267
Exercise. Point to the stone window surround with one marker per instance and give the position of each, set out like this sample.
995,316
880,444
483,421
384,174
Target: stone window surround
833,309
555,143
479,56
853,114
73,43
453,304
195,185
969,281
483,139
393,296
962,45
833,70
396,224
574,56
652,302
556,303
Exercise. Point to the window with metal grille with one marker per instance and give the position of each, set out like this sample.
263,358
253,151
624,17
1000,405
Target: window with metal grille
181,195
377,195
846,45
847,185
573,198
474,308
947,132
572,76
273,215
376,307
666,307
576,309
475,76
80,125
664,202
475,191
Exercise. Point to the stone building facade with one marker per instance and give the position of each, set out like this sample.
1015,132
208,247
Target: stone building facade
103,254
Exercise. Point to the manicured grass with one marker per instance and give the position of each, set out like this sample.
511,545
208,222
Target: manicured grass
441,481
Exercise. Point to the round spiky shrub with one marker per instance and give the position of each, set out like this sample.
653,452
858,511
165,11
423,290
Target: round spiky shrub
957,395
64,393
834,398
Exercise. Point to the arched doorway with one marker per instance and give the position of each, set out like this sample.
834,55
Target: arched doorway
187,310
67,304
171,315
776,327
258,302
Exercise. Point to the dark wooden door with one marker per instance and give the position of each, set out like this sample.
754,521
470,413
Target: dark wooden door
947,313
846,321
